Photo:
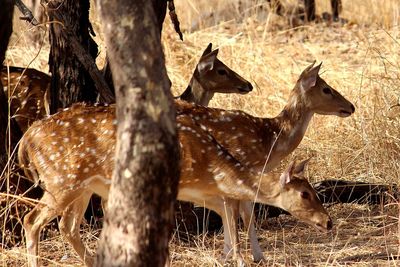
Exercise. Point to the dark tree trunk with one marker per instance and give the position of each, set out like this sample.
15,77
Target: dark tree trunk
70,81
309,6
9,136
6,13
336,7
140,210
9,133
160,8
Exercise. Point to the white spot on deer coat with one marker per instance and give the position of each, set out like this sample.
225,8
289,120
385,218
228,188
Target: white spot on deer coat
219,176
127,173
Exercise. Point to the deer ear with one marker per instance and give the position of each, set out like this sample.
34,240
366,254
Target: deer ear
308,77
207,62
306,70
286,176
207,50
299,169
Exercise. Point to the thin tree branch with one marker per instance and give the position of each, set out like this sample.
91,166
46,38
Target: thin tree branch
28,15
174,18
90,65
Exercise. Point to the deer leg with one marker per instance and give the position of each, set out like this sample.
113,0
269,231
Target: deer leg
246,212
229,219
70,224
34,221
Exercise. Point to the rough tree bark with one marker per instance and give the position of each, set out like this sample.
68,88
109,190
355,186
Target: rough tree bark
70,81
160,8
142,196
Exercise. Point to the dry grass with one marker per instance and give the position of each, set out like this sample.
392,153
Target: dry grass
361,60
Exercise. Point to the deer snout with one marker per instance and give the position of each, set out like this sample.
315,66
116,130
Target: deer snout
347,110
353,109
329,225
326,224
245,88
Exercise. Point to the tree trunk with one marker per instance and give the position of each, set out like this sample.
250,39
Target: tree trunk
9,136
9,130
6,13
142,196
309,6
160,8
70,81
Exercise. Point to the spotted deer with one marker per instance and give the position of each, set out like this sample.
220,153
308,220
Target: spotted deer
71,154
28,91
260,144
212,76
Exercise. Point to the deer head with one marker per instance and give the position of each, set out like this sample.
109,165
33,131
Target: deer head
212,76
318,96
216,77
297,196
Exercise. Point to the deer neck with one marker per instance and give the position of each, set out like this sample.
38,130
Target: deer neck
269,189
197,93
290,125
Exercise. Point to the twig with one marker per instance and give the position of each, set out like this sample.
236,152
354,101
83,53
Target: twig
88,62
174,18
28,16
394,106
27,200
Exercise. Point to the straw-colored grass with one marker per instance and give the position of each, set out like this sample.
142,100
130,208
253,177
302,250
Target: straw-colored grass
360,59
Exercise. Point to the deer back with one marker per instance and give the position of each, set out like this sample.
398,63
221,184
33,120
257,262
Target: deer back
29,94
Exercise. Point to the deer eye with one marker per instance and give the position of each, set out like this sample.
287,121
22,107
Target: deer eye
222,72
305,195
327,91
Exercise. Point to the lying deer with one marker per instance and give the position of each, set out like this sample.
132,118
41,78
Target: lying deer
213,76
261,143
28,92
72,153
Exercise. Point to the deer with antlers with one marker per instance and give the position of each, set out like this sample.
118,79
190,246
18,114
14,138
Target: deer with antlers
72,154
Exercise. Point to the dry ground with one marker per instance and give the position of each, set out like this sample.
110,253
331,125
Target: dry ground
361,60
